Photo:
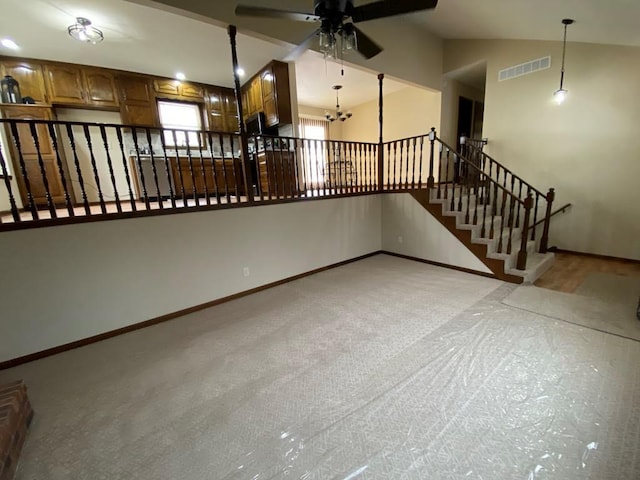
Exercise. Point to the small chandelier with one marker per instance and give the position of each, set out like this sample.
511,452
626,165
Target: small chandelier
339,114
335,43
83,31
560,94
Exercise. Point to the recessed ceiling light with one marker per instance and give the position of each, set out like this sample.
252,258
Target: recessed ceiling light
181,76
10,44
240,71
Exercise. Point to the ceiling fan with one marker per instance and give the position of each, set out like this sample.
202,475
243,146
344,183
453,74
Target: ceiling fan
333,16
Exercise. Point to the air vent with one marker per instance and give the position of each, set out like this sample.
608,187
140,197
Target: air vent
524,69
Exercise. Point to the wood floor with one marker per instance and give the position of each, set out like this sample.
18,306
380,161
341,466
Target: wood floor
570,270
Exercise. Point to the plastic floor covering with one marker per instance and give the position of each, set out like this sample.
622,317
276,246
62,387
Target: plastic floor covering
381,369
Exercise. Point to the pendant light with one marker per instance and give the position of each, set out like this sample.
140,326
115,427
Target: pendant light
339,114
560,94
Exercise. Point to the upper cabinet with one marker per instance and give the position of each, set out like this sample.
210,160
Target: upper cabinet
138,101
30,77
100,87
221,110
268,91
64,84
177,90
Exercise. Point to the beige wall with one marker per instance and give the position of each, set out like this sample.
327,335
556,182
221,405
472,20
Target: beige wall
61,284
588,148
408,112
409,229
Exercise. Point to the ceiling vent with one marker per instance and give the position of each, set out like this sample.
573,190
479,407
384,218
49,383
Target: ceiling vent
524,69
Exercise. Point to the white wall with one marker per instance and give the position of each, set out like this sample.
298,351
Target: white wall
588,148
422,235
61,284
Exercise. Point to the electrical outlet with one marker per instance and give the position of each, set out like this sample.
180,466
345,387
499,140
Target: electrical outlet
400,239
245,272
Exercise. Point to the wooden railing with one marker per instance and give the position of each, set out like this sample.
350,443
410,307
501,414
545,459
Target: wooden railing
63,172
472,151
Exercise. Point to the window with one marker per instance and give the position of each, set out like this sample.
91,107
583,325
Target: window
315,157
180,116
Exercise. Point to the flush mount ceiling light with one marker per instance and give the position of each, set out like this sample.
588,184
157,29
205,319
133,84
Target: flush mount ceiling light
339,114
83,31
10,44
180,76
560,94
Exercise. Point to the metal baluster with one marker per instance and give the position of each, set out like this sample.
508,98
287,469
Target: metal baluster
153,168
105,141
483,231
76,160
318,170
132,197
7,183
225,175
476,189
300,166
468,185
63,178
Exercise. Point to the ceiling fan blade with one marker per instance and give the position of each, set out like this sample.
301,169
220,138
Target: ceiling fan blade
249,11
300,49
388,8
367,47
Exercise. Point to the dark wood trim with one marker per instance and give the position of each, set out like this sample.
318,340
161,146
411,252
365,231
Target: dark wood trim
594,255
479,250
61,221
438,264
170,316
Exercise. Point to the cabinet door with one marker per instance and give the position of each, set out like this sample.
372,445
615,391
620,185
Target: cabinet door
256,95
230,108
215,111
269,100
137,101
31,158
191,92
64,84
101,88
166,86
30,77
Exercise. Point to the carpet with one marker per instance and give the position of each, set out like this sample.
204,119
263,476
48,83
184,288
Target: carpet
605,302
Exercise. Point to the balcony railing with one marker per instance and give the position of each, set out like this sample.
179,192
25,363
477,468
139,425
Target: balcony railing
65,172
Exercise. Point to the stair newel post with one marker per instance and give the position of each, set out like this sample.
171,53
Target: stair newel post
544,241
244,143
432,139
522,254
380,138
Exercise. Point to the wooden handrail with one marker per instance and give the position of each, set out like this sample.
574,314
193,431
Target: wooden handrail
560,210
470,164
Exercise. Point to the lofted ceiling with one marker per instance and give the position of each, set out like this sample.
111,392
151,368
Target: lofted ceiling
157,41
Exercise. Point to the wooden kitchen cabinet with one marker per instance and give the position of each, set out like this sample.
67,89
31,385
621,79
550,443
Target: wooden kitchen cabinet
277,172
228,175
100,87
221,110
137,101
269,92
177,90
31,157
30,77
64,84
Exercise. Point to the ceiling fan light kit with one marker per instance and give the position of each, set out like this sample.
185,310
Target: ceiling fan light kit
337,34
560,95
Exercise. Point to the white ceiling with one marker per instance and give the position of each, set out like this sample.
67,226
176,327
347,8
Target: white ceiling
597,21
144,39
